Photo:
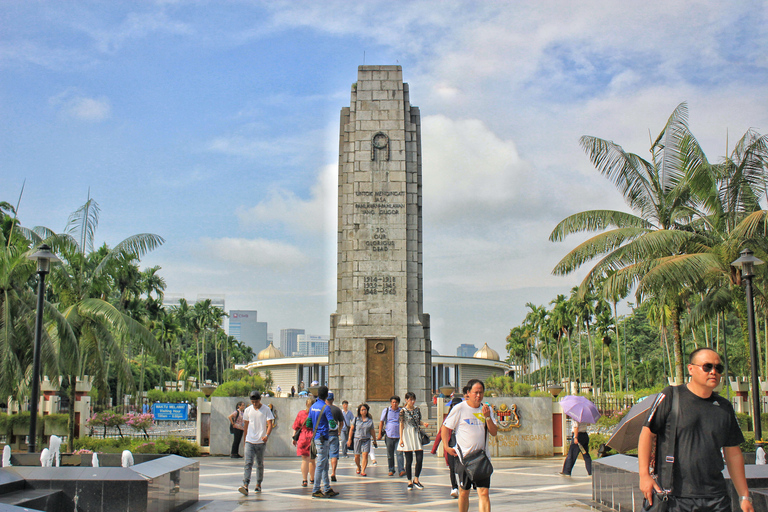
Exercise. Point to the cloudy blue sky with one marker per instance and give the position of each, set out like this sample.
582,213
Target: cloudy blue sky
215,125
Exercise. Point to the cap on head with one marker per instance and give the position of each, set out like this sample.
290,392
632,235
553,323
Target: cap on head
330,395
255,395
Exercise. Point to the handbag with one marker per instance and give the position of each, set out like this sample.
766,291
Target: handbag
297,434
476,465
424,437
661,498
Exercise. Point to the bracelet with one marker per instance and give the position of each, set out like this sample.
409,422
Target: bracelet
745,498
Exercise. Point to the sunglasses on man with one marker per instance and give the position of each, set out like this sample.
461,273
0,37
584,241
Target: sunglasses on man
707,367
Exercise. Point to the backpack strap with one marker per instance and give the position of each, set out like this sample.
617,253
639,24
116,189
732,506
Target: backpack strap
666,452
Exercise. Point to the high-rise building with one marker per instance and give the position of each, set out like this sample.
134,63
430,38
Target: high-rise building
288,342
312,345
244,327
466,350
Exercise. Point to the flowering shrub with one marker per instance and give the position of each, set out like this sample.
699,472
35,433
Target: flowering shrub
106,419
83,451
140,422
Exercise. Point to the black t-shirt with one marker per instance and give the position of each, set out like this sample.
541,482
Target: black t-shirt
704,426
338,414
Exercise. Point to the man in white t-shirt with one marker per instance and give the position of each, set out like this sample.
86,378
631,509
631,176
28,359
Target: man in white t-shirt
258,421
471,421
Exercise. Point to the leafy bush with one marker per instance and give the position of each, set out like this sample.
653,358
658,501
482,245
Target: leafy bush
182,447
749,442
56,421
242,387
169,445
505,385
745,421
101,445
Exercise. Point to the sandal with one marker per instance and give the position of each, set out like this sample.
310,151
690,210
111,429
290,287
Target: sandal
357,471
303,483
363,474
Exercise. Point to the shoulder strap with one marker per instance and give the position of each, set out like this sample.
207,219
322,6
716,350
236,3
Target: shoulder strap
314,426
667,456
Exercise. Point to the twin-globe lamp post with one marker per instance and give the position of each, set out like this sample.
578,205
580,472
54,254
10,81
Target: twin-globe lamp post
747,261
44,258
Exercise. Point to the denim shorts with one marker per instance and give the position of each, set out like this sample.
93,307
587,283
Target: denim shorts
333,447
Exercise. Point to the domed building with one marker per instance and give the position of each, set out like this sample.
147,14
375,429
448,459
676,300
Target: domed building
271,352
487,353
452,371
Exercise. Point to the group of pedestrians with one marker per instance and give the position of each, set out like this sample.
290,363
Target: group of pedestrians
691,422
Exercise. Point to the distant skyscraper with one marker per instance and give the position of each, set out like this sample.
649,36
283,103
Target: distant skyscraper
312,345
466,350
244,327
288,342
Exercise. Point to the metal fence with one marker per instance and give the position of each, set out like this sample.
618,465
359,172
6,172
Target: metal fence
608,405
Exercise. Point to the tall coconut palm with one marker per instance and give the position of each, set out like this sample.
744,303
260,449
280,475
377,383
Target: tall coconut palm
536,320
96,330
658,191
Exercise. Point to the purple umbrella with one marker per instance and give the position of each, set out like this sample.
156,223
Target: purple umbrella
580,409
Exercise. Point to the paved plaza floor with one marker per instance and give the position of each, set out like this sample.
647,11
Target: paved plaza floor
518,484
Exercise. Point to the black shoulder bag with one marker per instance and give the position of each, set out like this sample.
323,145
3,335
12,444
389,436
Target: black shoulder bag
666,457
476,465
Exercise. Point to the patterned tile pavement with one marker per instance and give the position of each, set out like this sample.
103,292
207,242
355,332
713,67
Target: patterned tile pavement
517,484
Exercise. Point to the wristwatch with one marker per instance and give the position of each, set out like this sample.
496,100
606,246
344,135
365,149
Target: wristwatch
745,498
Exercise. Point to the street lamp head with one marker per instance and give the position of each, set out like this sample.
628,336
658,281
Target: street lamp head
44,257
747,261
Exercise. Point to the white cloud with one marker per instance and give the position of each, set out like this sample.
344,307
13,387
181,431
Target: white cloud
254,252
284,208
468,170
77,106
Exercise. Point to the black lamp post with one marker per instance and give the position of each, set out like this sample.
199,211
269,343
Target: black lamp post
44,257
747,261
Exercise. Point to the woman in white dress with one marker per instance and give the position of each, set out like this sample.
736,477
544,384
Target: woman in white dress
410,440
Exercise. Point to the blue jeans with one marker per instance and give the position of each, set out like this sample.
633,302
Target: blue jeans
321,465
254,452
392,451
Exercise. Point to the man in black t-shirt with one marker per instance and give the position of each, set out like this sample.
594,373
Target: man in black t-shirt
706,423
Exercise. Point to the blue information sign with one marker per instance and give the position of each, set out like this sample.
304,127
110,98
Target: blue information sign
170,412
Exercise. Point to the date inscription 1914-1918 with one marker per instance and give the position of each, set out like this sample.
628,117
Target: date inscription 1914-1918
379,285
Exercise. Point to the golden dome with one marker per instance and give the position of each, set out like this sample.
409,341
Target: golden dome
487,353
271,352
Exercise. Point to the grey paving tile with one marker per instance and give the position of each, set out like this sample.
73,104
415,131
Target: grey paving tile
517,484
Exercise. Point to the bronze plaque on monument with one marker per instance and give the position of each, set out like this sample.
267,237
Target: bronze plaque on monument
380,362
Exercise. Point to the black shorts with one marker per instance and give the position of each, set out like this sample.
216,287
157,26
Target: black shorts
466,484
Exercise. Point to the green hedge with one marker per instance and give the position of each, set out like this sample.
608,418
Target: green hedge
155,395
170,445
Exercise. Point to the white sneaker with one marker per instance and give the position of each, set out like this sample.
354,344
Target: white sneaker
454,493
243,490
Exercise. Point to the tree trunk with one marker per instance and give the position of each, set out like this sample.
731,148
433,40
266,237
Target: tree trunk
591,357
618,343
677,344
71,419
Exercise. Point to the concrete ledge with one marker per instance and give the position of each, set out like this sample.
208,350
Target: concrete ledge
615,483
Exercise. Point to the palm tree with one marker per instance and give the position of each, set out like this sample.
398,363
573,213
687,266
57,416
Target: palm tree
584,309
561,320
95,330
536,320
659,191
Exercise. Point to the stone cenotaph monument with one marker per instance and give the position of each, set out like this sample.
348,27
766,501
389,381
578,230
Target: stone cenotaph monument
379,343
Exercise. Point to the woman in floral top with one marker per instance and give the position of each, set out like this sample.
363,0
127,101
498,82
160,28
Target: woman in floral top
410,439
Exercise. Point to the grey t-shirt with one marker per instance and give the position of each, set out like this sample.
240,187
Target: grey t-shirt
363,427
